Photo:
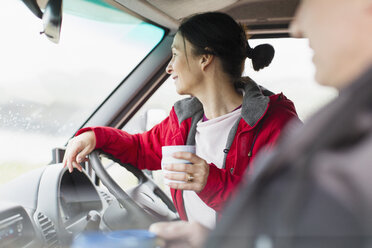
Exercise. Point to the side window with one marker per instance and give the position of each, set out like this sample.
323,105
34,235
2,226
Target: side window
155,110
292,72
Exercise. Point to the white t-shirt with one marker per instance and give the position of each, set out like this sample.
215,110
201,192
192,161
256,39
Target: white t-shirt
210,141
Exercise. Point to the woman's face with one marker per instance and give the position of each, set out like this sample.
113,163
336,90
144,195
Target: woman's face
184,67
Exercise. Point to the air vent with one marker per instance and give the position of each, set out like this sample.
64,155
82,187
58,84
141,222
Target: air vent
107,197
48,230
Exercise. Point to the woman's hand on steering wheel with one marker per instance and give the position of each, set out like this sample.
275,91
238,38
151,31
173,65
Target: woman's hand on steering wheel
77,150
195,176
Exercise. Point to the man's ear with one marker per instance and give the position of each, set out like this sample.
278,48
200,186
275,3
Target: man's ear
206,60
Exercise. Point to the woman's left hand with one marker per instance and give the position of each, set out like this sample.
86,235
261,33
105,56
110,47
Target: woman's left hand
195,176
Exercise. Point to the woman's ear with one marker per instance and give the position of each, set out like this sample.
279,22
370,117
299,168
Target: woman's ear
206,60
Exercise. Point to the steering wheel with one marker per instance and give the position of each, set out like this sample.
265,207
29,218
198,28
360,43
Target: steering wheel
145,204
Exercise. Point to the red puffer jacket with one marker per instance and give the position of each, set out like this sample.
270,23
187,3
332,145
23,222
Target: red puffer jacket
263,119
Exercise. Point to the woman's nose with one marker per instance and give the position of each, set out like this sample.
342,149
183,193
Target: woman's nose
169,68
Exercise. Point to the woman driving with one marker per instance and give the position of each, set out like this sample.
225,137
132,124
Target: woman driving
229,118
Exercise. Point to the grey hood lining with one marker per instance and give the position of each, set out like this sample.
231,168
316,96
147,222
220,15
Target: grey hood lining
192,133
254,104
187,108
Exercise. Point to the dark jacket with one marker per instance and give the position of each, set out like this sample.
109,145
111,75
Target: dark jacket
315,189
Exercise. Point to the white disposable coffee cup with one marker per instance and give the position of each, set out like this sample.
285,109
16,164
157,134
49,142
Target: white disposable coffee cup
167,152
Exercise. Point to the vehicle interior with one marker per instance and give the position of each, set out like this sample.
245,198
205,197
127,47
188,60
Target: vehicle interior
42,204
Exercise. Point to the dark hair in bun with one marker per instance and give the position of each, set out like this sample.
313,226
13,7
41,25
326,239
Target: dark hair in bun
219,34
261,55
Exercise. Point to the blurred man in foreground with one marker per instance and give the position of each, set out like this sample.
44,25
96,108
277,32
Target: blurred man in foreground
314,190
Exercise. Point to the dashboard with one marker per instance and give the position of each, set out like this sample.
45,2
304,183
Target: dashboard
48,207
77,197
15,226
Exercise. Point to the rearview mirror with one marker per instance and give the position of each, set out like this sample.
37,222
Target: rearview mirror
51,17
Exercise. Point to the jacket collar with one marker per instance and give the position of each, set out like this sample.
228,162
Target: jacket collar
254,104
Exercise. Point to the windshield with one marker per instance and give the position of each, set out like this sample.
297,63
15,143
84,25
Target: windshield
47,91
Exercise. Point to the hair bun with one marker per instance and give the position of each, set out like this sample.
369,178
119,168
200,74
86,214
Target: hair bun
261,56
